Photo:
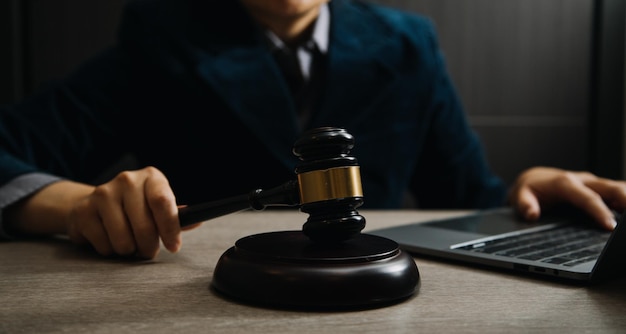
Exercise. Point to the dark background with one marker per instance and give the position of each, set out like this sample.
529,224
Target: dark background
542,80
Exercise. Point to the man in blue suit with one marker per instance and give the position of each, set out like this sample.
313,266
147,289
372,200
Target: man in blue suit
202,95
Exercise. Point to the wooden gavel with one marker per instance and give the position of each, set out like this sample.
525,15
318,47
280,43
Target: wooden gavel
328,188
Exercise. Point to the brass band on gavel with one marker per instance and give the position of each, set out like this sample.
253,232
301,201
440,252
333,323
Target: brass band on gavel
328,184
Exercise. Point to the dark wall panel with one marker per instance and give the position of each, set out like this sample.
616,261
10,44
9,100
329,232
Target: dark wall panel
11,74
523,70
608,114
63,33
42,40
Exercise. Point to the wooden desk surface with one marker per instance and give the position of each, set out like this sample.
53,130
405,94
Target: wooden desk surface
52,286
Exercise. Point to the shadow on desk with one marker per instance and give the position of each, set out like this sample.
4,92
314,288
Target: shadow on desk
62,249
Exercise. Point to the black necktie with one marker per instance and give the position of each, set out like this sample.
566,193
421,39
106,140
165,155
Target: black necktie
290,66
304,92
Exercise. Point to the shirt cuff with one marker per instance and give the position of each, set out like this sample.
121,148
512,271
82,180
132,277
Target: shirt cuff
19,188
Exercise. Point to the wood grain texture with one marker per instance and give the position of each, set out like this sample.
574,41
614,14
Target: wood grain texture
52,286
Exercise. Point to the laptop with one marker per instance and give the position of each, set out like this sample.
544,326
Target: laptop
565,243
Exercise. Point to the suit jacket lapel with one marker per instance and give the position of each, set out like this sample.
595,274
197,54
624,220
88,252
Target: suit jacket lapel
358,71
247,81
242,71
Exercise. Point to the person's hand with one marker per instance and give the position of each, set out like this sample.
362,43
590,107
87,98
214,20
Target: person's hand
542,187
129,215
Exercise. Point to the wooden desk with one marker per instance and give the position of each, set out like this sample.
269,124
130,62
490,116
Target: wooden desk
51,286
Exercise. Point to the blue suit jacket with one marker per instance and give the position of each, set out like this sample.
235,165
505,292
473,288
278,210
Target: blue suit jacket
191,89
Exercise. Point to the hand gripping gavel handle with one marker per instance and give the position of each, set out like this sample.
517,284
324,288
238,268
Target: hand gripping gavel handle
286,194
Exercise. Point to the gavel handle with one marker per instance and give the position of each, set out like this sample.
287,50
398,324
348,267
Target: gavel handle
286,194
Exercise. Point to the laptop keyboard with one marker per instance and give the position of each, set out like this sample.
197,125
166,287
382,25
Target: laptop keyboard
568,246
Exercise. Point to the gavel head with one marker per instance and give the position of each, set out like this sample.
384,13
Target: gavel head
329,184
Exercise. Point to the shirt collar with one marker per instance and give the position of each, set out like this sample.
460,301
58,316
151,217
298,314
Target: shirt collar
322,29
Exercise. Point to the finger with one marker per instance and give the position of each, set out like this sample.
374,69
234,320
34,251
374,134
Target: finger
527,204
612,192
114,220
590,201
96,235
86,227
141,222
162,203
